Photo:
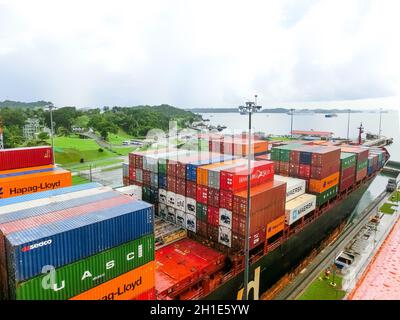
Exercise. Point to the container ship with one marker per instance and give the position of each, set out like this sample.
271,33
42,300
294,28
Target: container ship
176,230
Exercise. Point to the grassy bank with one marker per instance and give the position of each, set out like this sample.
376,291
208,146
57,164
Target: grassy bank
321,289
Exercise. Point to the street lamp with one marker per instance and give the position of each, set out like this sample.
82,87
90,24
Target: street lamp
51,107
380,122
249,108
348,123
291,122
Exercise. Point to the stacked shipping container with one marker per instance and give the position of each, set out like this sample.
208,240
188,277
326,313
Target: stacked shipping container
238,146
65,231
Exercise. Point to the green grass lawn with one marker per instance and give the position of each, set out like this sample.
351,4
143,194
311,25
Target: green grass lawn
78,180
395,197
95,164
322,290
118,138
69,151
387,208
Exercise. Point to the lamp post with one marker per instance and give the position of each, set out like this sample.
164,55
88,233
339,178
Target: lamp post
380,122
51,107
249,108
348,123
291,122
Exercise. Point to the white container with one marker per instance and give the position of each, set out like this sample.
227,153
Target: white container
171,214
299,207
180,202
225,218
191,222
162,210
133,191
162,196
190,206
225,236
294,187
180,218
171,199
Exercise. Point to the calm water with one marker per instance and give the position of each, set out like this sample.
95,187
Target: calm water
280,124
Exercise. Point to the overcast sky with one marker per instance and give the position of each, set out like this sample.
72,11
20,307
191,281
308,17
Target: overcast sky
204,53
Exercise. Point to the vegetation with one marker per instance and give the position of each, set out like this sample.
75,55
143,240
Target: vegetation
321,289
78,180
395,197
112,124
387,208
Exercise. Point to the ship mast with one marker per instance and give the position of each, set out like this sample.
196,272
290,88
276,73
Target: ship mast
360,132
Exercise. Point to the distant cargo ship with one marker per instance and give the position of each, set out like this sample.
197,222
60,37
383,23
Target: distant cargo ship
331,115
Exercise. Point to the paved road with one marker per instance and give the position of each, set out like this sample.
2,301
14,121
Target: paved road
326,256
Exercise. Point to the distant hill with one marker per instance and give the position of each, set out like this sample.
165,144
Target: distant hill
22,105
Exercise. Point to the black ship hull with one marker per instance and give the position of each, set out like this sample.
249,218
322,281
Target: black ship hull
265,272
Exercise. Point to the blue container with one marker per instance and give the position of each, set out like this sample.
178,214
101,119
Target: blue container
73,239
162,181
370,170
57,206
305,157
50,193
191,169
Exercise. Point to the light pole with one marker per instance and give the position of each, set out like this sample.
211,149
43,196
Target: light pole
291,122
380,122
51,107
348,123
249,109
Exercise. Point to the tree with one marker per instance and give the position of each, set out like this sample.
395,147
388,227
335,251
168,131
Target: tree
43,136
61,131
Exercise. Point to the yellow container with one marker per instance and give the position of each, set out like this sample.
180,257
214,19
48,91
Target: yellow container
319,186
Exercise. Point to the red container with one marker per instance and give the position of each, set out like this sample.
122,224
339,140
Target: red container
226,199
294,170
191,189
146,178
235,179
361,153
212,232
328,169
351,171
131,158
346,183
137,183
19,158
361,174
256,239
148,295
132,173
213,197
267,200
277,167
304,171
323,155
213,216
172,167
181,186
295,157
201,228
171,184
284,168
202,194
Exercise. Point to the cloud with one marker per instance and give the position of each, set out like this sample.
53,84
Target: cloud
204,53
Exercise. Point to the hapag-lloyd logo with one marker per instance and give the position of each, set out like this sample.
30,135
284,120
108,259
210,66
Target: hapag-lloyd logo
257,175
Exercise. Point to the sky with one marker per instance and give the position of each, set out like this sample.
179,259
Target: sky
201,53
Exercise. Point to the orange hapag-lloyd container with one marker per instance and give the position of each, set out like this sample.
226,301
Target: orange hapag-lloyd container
125,287
275,227
320,186
18,183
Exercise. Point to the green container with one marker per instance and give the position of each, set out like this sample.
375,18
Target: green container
146,194
362,165
347,160
275,152
85,274
327,195
201,211
162,166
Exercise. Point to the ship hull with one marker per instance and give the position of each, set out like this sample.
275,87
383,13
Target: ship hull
265,272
